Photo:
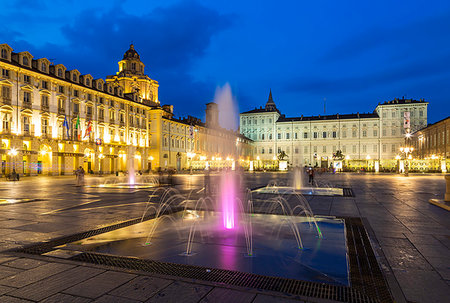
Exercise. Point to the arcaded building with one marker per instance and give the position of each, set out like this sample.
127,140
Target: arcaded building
55,120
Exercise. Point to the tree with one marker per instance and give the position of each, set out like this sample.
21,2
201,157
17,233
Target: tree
282,155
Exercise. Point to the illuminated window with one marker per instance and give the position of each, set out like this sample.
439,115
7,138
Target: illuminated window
5,73
26,97
6,92
44,124
44,101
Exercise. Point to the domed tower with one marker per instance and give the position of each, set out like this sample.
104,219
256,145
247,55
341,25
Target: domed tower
131,63
132,79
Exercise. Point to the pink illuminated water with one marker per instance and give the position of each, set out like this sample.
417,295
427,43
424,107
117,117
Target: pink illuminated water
228,200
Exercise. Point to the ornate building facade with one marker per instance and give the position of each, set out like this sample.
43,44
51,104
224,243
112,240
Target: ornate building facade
363,139
432,145
55,120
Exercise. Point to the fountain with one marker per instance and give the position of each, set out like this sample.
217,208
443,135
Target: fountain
234,230
298,186
131,181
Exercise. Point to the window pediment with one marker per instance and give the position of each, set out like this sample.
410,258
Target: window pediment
44,92
6,109
26,87
45,115
26,112
6,82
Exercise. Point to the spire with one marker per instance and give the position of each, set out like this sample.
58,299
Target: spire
270,105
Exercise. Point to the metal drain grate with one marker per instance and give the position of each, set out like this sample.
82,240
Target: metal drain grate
235,278
367,281
365,274
44,247
347,192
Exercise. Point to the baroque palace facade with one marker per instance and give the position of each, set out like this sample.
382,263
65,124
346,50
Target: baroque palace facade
365,140
55,120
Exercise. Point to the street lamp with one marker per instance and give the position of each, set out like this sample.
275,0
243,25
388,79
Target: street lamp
13,153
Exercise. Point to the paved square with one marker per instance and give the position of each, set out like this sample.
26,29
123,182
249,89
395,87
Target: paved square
410,236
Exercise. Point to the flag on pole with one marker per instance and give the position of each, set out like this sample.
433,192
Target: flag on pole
66,124
88,129
77,127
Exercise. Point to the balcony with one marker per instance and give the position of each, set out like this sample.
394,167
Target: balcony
45,107
26,104
28,133
6,100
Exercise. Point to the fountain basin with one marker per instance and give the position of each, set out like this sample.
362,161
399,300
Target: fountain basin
275,251
306,191
124,185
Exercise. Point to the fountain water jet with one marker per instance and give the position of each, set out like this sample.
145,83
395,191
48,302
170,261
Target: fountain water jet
228,198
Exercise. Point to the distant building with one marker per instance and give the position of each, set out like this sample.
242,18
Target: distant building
432,143
363,138
55,120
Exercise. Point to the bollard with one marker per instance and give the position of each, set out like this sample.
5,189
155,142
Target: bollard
447,188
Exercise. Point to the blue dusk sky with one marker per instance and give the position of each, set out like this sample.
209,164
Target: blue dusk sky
353,53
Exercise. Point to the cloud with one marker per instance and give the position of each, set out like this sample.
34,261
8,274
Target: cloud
169,41
425,33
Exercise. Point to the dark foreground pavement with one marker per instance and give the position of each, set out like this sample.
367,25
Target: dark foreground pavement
411,239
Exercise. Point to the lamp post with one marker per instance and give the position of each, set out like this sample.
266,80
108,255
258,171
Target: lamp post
13,153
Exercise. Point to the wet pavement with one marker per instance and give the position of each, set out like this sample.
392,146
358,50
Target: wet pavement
410,236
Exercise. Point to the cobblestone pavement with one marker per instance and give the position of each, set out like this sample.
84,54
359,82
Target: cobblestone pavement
410,236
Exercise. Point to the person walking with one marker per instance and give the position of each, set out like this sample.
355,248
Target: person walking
81,177
77,176
311,175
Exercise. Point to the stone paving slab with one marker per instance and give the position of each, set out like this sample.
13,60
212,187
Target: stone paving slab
114,299
6,258
422,285
24,263
9,299
271,299
56,283
181,292
65,298
6,271
100,285
27,277
228,295
5,289
141,288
